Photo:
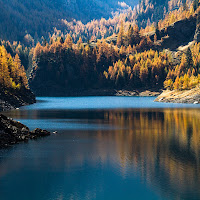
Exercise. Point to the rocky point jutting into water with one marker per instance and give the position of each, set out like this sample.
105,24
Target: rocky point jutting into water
13,132
186,96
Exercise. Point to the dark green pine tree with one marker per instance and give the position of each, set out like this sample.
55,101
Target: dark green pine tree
198,18
184,5
195,4
61,40
157,32
189,60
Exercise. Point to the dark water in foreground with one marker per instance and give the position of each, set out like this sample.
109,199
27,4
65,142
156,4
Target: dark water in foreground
107,148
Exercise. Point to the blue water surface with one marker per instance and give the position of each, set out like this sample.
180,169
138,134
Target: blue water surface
106,148
81,103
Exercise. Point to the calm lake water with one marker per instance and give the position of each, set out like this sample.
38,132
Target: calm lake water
107,148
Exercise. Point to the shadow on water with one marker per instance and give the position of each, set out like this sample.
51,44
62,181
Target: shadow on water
132,153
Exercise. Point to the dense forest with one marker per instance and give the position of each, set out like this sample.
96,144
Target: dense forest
32,21
28,21
186,75
130,60
12,73
75,66
130,55
145,15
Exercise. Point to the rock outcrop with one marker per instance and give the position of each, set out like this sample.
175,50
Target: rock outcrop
186,96
13,132
177,34
145,93
15,99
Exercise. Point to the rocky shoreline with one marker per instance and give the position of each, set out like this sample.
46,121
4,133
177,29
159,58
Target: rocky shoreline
13,132
106,92
14,99
186,96
145,93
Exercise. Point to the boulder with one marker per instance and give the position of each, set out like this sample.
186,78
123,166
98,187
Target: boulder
40,133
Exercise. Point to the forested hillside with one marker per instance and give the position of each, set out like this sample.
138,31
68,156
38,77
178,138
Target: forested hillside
26,21
145,15
29,21
14,89
132,59
121,52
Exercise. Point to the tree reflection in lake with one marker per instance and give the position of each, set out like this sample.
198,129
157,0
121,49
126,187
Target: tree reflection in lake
164,145
161,146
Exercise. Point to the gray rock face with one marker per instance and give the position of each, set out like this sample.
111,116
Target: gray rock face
177,34
13,132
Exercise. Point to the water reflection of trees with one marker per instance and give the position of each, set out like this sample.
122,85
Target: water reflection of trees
163,145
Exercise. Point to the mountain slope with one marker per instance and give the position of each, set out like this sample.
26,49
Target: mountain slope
34,19
133,62
38,17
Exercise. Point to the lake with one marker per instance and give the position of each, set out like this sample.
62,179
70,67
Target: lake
106,148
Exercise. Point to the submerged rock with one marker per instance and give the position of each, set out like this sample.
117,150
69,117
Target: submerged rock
13,132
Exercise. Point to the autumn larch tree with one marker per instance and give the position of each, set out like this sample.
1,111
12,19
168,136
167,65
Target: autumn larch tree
120,37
